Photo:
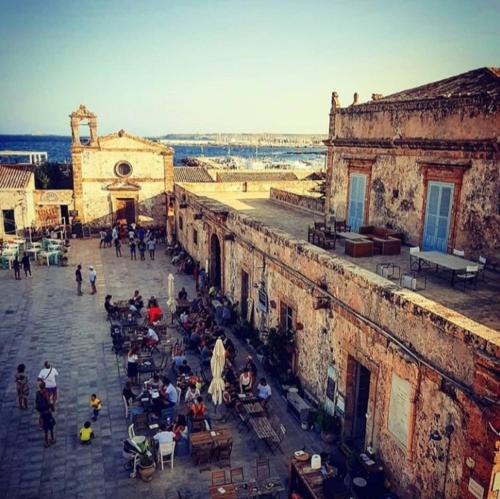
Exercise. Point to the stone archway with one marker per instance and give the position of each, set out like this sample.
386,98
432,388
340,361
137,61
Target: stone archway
215,261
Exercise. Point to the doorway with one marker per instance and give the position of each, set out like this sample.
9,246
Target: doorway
244,294
64,214
215,261
357,187
9,222
358,396
437,216
125,210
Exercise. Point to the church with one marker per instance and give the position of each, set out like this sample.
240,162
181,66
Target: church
118,177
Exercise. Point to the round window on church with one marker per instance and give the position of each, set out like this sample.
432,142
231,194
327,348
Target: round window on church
123,169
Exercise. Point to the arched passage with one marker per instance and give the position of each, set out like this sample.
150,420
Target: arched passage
215,261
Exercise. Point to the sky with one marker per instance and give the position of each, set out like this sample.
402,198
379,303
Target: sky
153,67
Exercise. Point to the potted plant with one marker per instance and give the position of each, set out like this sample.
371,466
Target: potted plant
146,467
329,425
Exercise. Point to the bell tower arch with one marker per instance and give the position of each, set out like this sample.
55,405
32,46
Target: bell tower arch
82,114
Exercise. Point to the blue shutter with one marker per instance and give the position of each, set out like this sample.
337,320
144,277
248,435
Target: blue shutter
356,201
437,216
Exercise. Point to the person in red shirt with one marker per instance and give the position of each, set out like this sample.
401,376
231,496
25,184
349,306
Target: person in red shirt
154,313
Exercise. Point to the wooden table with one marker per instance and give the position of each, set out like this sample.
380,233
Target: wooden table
226,491
350,236
247,398
214,437
253,409
449,262
264,431
254,488
305,480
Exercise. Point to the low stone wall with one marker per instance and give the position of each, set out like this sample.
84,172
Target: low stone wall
302,201
254,186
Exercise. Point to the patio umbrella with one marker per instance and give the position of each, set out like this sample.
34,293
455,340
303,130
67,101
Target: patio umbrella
171,293
217,364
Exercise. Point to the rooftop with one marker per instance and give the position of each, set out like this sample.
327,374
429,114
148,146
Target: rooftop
191,174
15,176
482,81
249,176
480,305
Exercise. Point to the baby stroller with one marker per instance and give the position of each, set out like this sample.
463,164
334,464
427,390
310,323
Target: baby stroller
133,452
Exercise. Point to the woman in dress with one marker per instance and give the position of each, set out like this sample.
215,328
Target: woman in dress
132,364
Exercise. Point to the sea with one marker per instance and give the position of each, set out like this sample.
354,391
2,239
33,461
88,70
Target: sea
58,149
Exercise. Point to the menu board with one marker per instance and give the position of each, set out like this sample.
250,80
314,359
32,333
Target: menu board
399,409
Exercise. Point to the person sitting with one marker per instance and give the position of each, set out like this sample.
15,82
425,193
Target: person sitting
230,376
109,306
169,393
246,381
194,340
182,294
154,313
133,309
165,435
151,339
205,355
192,394
184,318
128,394
154,383
177,362
180,428
250,364
138,302
263,392
86,433
184,368
199,411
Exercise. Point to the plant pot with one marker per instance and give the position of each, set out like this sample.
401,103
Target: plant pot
328,437
146,472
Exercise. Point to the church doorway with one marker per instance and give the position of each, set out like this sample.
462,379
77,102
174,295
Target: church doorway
125,210
215,261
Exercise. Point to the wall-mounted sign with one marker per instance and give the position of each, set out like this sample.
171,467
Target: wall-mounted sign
476,489
399,409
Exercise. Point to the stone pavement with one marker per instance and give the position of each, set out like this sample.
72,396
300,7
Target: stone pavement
43,319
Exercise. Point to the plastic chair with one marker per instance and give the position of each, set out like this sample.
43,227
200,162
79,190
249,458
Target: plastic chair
125,405
414,260
166,450
138,439
470,275
460,253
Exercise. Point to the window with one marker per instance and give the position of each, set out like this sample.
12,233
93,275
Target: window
181,223
286,317
262,303
195,237
123,169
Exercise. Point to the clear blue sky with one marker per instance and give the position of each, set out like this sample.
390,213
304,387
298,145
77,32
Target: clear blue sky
153,67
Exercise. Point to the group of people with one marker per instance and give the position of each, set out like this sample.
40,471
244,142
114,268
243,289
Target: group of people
46,397
25,263
92,277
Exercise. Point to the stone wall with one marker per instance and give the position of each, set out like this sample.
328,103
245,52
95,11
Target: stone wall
255,186
448,361
302,201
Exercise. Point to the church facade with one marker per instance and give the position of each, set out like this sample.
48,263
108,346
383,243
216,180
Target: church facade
119,177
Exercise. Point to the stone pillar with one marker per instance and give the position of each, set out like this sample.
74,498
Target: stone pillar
93,131
333,111
76,159
168,164
75,131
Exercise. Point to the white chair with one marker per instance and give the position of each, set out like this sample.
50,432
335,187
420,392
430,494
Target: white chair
470,275
179,392
138,439
126,407
413,258
460,253
166,450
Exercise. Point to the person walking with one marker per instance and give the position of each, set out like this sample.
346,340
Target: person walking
25,261
142,248
118,247
96,405
48,376
22,386
16,265
102,242
151,248
92,280
48,423
79,280
133,253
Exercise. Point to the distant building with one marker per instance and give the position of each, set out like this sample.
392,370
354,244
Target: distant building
423,161
119,177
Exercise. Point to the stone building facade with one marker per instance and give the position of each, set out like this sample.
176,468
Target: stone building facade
119,176
424,161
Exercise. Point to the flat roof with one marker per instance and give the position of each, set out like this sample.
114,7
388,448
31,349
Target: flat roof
480,305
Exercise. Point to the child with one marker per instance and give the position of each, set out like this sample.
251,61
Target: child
48,423
86,433
96,405
22,386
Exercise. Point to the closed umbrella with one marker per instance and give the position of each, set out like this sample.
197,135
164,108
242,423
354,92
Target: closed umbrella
171,295
217,362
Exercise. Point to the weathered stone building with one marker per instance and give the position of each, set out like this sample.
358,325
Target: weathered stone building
119,176
423,161
412,378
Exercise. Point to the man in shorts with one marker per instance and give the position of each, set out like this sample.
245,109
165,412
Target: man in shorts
48,376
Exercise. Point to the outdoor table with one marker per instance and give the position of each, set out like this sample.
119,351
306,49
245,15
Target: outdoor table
263,429
226,491
255,488
448,262
247,398
351,236
253,409
308,481
215,437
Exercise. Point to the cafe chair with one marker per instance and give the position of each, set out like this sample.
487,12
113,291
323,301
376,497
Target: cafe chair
413,258
219,477
237,475
125,405
202,454
262,468
482,266
460,253
469,276
166,450
224,451
138,439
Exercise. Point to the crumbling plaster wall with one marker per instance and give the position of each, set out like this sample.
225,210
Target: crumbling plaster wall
289,269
